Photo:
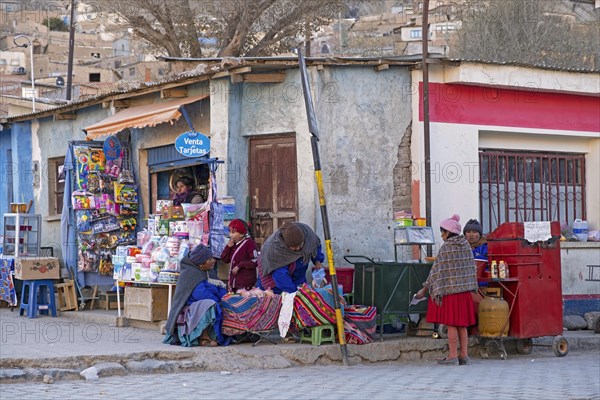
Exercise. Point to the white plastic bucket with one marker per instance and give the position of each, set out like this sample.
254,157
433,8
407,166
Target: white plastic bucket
580,230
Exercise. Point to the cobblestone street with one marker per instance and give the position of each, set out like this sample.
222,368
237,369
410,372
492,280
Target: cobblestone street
540,375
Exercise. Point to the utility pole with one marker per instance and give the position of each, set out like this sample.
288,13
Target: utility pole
71,50
307,38
48,21
426,134
32,75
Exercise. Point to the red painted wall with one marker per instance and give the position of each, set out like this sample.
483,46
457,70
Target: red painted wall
464,104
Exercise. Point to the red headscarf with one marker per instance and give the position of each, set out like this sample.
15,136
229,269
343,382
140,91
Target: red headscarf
239,226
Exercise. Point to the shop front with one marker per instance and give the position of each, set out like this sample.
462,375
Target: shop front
122,194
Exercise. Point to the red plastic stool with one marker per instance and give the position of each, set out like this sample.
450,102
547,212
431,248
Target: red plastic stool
40,297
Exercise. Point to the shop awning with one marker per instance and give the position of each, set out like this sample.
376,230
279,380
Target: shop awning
140,117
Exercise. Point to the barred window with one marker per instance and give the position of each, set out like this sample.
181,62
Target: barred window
519,186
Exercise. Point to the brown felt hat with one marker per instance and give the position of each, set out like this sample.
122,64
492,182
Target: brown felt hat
292,234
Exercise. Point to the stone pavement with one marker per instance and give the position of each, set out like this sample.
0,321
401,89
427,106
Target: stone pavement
538,376
60,348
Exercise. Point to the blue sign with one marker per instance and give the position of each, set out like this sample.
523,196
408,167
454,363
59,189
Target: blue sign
192,144
112,148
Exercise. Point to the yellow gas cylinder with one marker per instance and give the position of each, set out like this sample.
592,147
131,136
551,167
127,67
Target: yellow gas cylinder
493,314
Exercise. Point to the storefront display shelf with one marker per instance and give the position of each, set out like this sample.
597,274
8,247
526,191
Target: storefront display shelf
24,229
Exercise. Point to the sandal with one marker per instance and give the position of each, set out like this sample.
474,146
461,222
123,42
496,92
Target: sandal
208,343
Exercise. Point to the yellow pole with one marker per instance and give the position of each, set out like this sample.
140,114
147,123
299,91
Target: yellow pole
314,139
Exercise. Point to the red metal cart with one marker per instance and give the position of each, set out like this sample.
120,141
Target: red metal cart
533,288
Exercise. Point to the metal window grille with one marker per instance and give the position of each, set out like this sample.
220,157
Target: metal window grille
529,186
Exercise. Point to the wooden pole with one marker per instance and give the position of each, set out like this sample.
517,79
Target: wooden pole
314,139
71,51
426,133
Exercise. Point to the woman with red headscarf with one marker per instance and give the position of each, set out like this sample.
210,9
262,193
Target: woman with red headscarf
242,255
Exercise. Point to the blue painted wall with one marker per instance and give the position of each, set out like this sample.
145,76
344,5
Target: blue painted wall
15,171
5,167
22,162
580,307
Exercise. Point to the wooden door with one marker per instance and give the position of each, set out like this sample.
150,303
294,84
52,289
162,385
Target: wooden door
273,184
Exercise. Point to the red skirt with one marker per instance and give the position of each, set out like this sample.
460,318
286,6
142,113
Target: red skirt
456,310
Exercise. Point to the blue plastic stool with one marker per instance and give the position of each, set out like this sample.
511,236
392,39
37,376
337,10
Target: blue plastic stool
40,297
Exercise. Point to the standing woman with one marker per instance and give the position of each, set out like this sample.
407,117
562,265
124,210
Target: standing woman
240,252
451,280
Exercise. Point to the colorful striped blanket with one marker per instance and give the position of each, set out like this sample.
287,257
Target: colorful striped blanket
249,314
314,307
311,308
359,324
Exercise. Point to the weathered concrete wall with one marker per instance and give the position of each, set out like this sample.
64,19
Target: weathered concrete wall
239,111
279,109
363,119
362,122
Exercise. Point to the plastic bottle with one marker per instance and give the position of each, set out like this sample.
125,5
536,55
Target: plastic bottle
494,270
502,270
506,271
580,230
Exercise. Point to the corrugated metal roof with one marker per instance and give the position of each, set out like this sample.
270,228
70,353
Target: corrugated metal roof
294,60
523,64
216,65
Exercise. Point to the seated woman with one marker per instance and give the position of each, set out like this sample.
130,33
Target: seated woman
195,316
186,193
285,256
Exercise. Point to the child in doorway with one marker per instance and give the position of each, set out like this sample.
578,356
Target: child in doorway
242,255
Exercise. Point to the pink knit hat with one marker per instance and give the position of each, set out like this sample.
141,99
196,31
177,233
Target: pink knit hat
451,224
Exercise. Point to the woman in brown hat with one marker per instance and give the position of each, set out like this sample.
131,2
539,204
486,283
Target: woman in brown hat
285,256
